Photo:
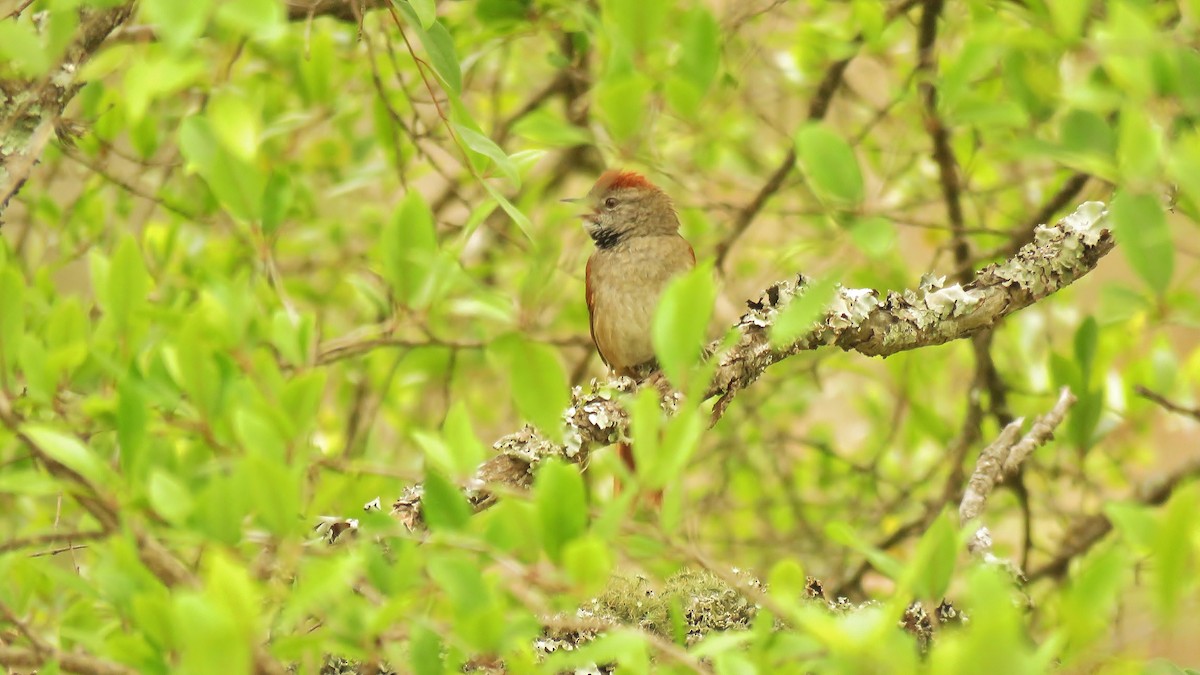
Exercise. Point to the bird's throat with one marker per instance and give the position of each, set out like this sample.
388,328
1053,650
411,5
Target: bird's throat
605,237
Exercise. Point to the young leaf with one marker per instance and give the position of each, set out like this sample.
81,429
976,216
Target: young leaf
1141,227
12,316
681,322
561,506
539,383
798,316
488,148
439,45
69,451
408,247
443,504
829,164
128,283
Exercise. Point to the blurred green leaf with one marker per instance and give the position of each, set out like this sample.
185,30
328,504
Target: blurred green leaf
128,283
932,567
829,164
539,382
237,184
681,322
799,316
1086,338
132,420
12,317
873,235
21,47
561,506
70,452
1174,551
443,505
177,24
487,147
258,19
408,247
169,497
426,11
1141,227
1068,17
1139,147
621,101
700,48
439,46
588,562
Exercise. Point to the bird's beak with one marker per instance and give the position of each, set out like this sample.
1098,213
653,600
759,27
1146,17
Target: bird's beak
572,200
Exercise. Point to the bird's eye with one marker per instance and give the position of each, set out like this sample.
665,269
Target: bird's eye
610,203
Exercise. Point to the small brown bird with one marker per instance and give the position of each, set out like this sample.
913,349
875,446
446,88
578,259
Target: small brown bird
638,251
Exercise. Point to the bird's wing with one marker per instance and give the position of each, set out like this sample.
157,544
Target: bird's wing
590,295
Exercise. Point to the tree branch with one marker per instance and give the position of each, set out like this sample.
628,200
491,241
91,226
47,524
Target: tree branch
29,110
1088,531
818,107
857,320
1002,458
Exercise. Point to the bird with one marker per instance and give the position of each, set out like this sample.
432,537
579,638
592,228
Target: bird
639,250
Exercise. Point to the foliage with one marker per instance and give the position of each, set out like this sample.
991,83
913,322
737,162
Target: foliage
277,263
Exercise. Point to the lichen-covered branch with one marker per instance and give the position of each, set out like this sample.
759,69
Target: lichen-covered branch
30,110
857,320
1000,459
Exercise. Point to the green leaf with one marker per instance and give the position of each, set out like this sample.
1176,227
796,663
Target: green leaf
22,48
425,651
132,419
539,383
128,283
639,24
237,184
1141,229
259,19
1139,147
873,235
932,566
547,127
443,505
169,497
588,562
561,506
798,316
426,11
177,24
1174,551
235,123
277,201
681,322
1068,16
409,247
513,212
1086,135
621,104
1086,338
645,421
829,164
439,46
700,48
1134,522
787,580
468,452
68,451
488,148
12,317
843,534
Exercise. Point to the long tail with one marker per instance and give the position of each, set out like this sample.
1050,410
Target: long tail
625,452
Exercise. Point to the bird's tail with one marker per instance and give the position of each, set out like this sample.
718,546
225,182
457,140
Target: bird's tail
625,452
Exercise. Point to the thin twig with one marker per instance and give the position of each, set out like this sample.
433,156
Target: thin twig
1166,403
